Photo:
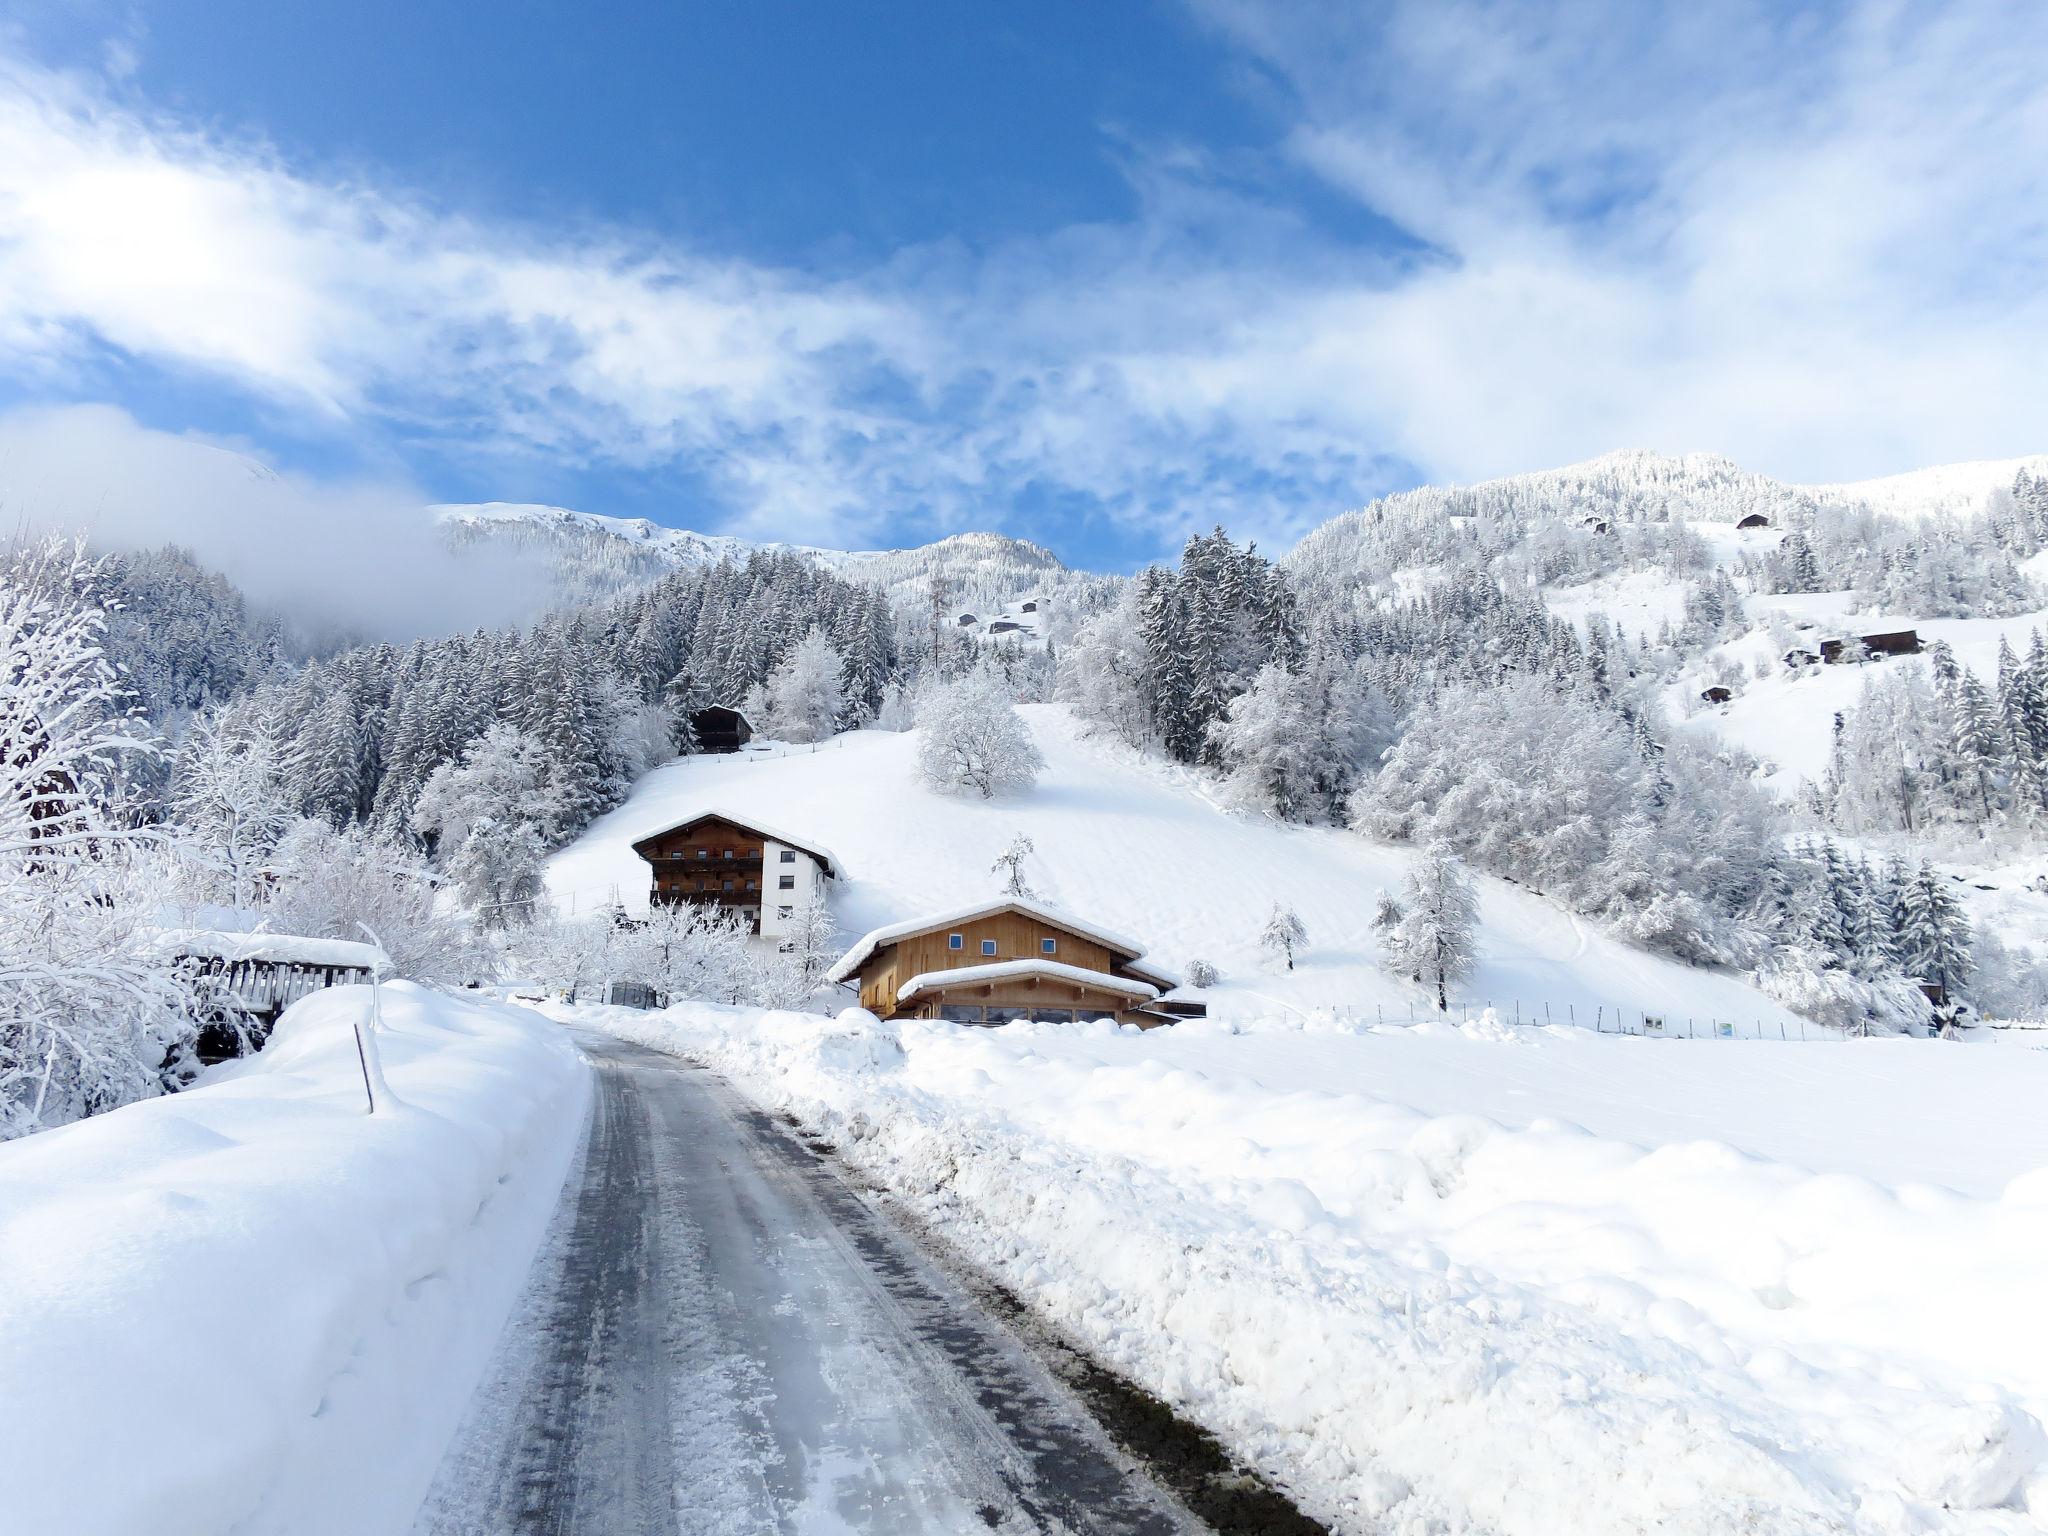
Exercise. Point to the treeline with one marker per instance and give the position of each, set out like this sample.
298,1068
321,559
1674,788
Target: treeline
601,690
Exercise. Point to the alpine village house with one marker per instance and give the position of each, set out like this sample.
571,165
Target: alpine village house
715,859
1005,960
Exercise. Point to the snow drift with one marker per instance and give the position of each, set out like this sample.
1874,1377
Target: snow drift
1424,1317
252,1307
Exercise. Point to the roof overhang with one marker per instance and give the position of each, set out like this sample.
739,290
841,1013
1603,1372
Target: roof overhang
825,857
1024,970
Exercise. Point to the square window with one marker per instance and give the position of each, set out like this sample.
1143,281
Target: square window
956,941
750,885
988,946
788,856
785,913
1048,946
703,853
786,883
728,885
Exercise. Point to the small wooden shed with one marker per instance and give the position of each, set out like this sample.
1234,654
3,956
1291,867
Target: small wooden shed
720,729
1754,520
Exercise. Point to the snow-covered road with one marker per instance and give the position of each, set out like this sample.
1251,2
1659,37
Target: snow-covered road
720,1335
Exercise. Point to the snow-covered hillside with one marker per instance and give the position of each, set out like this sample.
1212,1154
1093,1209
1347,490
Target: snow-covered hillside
1480,1279
1945,490
1138,846
973,568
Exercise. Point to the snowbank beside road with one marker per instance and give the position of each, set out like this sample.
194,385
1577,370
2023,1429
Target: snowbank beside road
1491,1322
251,1307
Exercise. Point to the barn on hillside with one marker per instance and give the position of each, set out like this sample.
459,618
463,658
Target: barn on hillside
719,729
1754,520
1891,642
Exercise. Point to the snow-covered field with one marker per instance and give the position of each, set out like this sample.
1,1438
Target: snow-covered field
251,1307
1135,845
1473,1278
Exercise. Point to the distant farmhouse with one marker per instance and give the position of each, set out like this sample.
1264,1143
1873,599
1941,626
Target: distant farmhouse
1896,642
716,859
1005,960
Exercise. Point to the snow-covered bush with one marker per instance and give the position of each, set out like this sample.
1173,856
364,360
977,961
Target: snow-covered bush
1202,974
333,883
88,1018
971,737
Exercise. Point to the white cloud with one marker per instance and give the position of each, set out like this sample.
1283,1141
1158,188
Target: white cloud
1808,240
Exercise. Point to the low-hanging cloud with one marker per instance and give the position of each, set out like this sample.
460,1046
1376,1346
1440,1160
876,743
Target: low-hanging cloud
351,559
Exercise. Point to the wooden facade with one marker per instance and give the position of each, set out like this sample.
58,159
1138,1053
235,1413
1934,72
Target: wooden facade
710,861
1046,953
1891,642
240,1001
718,729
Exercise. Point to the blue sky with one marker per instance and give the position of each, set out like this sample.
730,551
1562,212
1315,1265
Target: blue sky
1095,274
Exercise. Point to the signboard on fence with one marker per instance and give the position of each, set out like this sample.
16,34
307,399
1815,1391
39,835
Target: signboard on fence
1653,1024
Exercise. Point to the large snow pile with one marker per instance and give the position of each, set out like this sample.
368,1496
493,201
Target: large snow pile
1475,1278
1136,845
252,1307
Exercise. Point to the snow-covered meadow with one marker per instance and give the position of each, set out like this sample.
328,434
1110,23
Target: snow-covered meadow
1480,1278
252,1306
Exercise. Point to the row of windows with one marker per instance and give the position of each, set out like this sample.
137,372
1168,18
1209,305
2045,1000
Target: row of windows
963,1013
785,883
785,857
988,946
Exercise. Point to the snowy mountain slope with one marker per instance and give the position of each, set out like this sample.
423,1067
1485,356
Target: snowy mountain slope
1134,844
1946,490
674,546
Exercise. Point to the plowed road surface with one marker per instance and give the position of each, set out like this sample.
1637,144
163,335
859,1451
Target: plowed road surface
722,1336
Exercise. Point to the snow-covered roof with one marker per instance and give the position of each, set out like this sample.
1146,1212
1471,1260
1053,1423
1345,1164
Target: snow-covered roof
825,857
1003,970
273,948
1145,970
857,956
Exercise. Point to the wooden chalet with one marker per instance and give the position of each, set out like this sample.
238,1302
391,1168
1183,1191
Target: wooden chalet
719,729
1891,642
1718,694
716,859
1754,520
1006,960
